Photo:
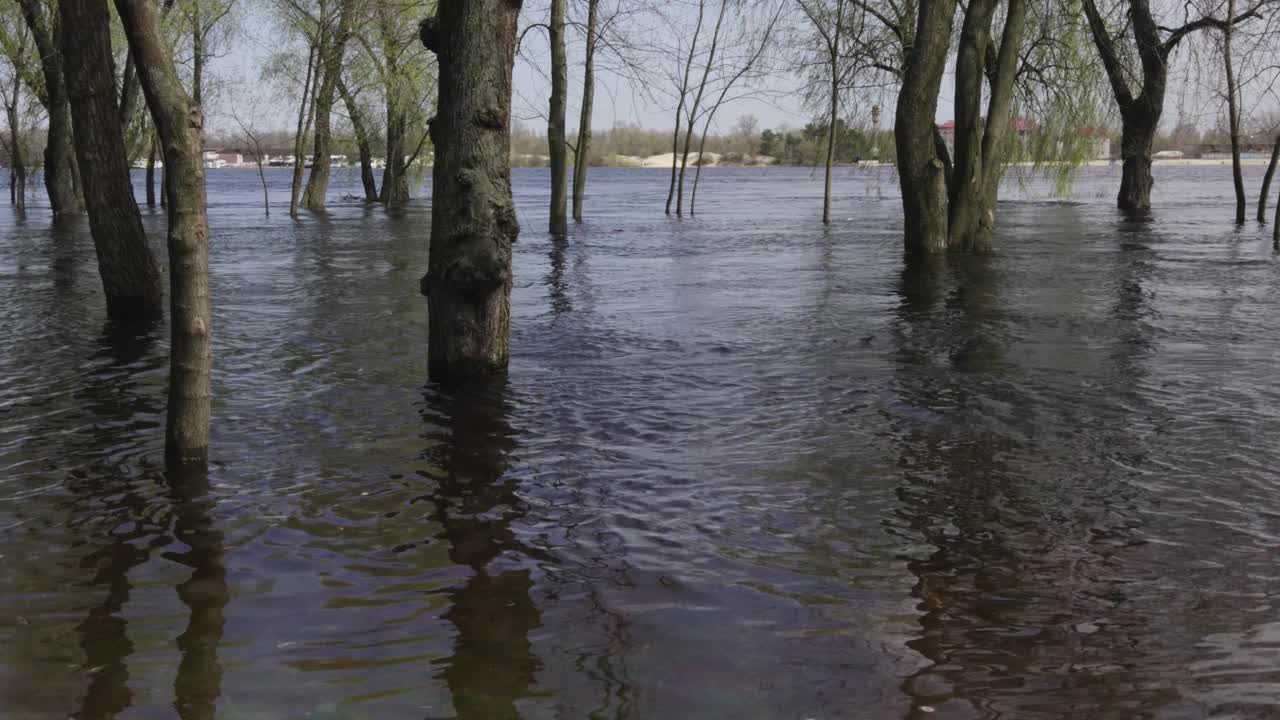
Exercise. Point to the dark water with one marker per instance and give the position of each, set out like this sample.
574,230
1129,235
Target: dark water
744,467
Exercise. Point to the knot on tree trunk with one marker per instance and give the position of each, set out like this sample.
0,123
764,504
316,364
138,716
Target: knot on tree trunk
475,272
492,117
429,33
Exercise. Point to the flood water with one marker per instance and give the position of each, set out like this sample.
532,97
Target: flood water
743,467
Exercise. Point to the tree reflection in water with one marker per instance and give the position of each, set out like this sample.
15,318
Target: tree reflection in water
476,503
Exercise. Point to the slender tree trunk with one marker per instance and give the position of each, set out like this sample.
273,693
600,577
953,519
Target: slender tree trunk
180,126
130,276
582,157
473,219
557,147
304,125
1233,109
835,111
331,56
128,92
362,142
197,56
692,110
395,177
684,90
17,165
151,173
1265,195
59,157
921,172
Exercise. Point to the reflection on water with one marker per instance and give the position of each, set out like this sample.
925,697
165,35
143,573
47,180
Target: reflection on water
743,466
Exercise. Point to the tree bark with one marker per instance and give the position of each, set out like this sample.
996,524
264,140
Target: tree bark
1265,195
921,172
582,157
473,219
59,157
151,173
17,165
362,142
130,276
178,122
978,164
332,51
834,59
557,147
128,92
304,126
1137,135
1233,109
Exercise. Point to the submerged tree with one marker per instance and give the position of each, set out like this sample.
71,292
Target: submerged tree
582,153
1140,92
61,174
330,52
556,144
14,43
473,219
179,123
130,277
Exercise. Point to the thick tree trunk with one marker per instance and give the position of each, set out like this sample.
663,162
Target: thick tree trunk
130,276
582,157
473,219
1265,195
151,173
59,157
557,147
362,142
180,126
331,56
978,164
1138,133
1233,109
304,126
921,172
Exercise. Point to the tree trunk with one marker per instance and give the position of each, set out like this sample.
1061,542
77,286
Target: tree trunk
17,166
331,54
59,157
128,92
1138,133
583,156
304,125
557,147
179,124
362,142
692,112
473,219
833,115
130,276
684,89
151,173
921,172
1265,195
197,55
395,176
1233,109
978,165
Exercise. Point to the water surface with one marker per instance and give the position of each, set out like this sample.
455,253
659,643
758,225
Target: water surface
743,467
